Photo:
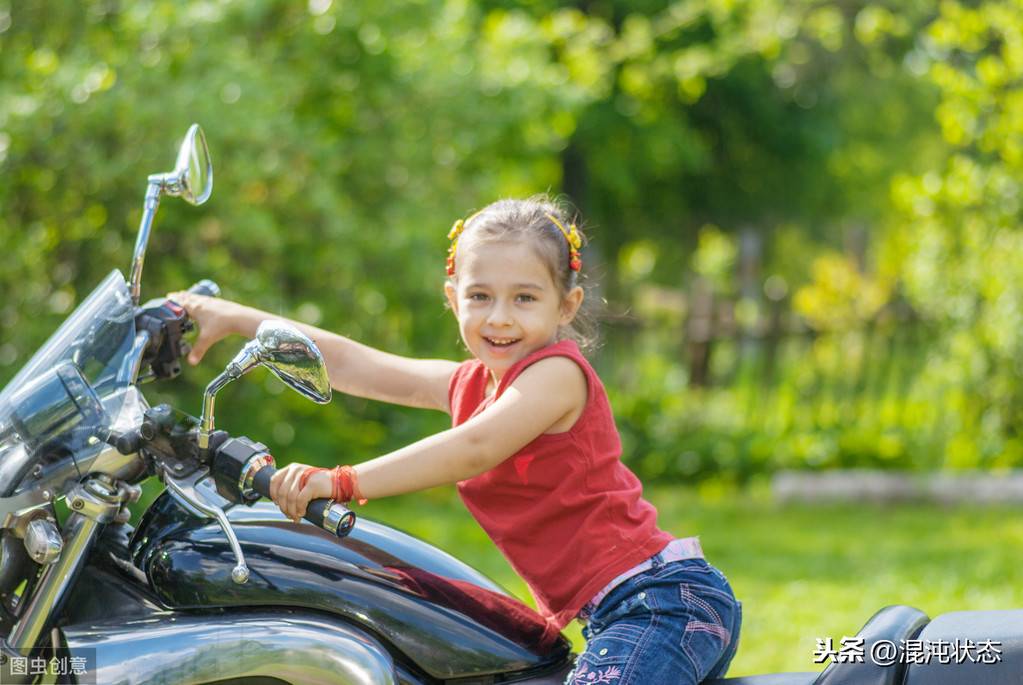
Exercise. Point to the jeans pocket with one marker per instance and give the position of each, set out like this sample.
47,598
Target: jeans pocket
720,669
707,633
632,605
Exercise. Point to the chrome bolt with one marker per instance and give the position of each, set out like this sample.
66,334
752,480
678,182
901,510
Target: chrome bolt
240,574
43,541
77,504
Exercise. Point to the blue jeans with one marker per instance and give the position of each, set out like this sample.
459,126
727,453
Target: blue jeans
675,623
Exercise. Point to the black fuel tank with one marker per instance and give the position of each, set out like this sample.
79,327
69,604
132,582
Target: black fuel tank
447,618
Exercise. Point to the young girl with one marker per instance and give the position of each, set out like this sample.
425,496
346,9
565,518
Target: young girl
533,449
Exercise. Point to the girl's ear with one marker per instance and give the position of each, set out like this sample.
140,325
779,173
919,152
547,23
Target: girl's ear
570,305
451,294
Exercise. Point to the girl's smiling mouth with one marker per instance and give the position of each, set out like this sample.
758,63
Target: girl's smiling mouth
500,342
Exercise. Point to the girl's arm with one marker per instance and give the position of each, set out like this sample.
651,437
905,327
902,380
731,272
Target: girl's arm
353,368
545,393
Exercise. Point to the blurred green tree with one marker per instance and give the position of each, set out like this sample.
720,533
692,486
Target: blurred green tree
957,240
348,136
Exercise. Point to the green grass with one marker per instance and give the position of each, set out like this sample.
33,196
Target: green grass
802,572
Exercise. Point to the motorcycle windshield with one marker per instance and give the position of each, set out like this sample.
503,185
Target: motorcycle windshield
58,402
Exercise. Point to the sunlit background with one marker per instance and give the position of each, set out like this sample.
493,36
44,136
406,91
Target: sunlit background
803,217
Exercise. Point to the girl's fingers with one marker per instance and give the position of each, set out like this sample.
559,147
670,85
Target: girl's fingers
291,494
313,489
203,311
301,503
202,343
278,484
282,490
286,494
292,506
179,296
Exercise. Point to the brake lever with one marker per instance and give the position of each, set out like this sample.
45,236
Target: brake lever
188,493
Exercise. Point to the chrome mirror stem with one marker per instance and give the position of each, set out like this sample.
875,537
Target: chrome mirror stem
286,351
152,201
243,362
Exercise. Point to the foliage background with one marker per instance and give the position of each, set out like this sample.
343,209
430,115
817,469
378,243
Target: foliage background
804,214
839,180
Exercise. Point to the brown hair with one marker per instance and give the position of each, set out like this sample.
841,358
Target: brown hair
530,219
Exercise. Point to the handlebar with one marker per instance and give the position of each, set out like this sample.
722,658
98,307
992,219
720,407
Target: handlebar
205,287
161,325
326,513
243,469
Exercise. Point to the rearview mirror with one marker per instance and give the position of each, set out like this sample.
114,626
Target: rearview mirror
283,349
192,178
294,358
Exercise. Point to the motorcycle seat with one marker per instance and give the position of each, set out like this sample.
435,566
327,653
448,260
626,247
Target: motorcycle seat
1001,630
892,623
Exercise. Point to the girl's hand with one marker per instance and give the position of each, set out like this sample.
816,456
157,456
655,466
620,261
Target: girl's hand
212,315
285,492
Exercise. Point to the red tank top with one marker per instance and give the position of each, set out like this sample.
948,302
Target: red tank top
564,510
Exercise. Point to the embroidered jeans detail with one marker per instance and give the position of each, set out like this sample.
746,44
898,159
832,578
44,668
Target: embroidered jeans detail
707,635
676,623
605,675
712,628
715,624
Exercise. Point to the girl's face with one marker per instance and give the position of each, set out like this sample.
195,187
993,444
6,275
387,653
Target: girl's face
507,303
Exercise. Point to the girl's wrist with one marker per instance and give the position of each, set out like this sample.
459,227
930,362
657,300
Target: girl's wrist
243,320
345,485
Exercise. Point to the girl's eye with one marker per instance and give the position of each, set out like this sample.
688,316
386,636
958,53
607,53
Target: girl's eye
478,297
526,298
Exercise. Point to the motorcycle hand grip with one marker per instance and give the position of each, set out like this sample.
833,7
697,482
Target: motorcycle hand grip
206,287
332,516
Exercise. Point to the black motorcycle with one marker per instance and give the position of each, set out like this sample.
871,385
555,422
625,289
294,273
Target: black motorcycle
215,586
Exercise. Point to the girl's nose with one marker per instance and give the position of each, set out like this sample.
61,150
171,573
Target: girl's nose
499,315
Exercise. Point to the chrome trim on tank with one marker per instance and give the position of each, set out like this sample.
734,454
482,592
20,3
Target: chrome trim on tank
199,649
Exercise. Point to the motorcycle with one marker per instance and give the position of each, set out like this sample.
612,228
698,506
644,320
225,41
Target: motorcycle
216,586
